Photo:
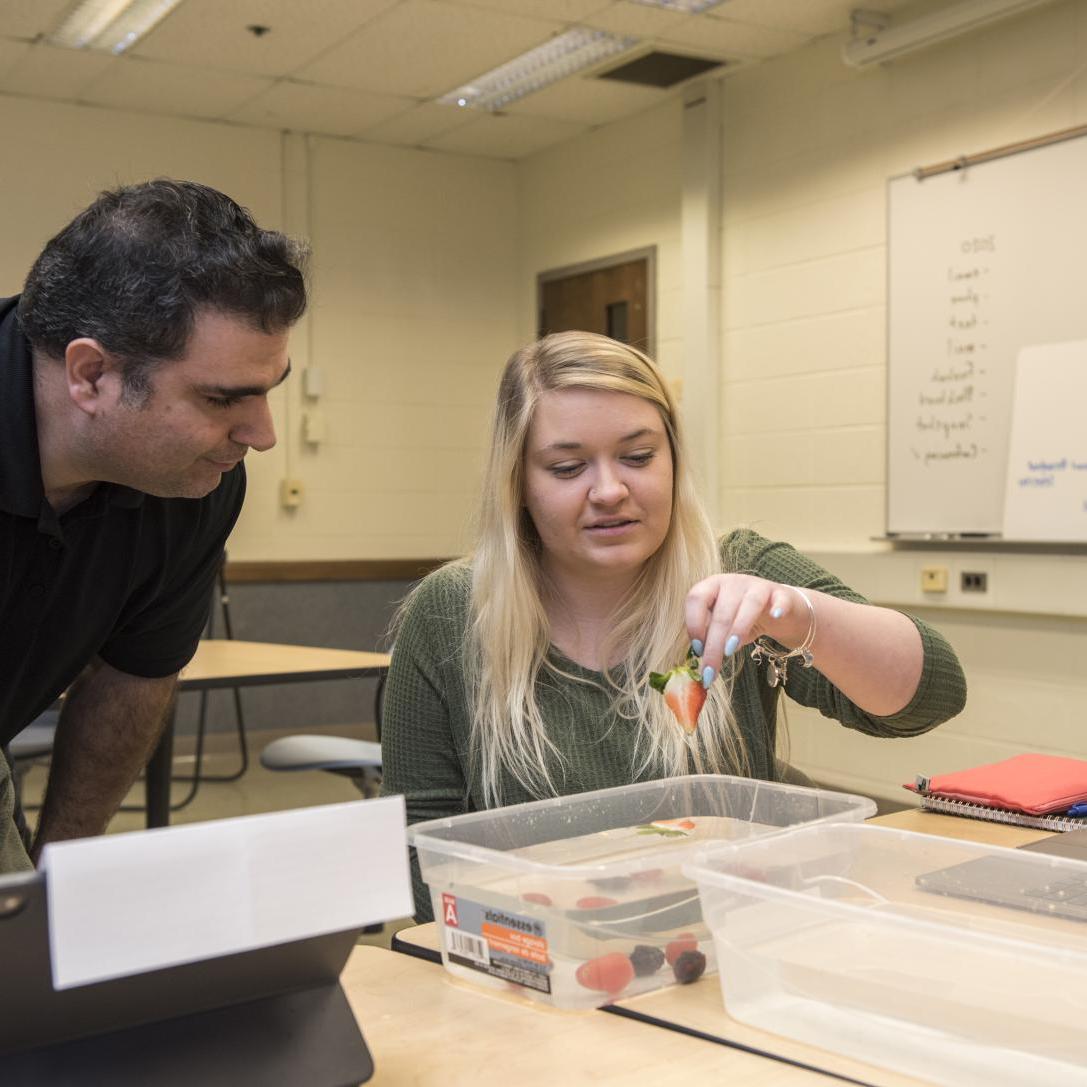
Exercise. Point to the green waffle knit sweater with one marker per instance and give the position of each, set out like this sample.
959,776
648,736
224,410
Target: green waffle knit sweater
425,736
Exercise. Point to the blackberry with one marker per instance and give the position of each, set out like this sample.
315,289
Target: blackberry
646,960
690,966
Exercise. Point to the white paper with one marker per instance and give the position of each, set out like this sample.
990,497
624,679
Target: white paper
1046,488
128,903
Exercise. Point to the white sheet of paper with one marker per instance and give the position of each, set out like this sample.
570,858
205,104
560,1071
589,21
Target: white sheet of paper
128,903
1045,496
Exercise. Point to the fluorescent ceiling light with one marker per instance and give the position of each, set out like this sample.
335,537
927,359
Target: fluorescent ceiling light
111,25
691,7
561,56
893,41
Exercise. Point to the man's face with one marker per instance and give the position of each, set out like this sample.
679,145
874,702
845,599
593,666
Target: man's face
202,414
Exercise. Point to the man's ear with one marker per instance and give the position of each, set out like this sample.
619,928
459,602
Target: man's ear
92,375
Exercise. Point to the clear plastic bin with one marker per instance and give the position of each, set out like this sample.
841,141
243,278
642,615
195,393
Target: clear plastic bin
580,900
955,962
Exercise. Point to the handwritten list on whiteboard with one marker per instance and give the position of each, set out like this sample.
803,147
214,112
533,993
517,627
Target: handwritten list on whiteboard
982,264
952,423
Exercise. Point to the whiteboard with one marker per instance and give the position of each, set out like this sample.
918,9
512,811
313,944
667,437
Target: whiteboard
983,262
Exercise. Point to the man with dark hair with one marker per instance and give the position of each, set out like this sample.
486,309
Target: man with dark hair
134,374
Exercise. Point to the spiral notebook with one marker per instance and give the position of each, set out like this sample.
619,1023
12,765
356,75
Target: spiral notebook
1029,790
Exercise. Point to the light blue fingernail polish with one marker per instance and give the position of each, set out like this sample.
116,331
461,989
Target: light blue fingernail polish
697,646
708,676
732,645
776,613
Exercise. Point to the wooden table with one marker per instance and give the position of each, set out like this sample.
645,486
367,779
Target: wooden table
424,1028
955,826
699,1007
223,663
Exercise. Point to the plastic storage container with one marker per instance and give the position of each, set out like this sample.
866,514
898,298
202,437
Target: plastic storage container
955,962
555,896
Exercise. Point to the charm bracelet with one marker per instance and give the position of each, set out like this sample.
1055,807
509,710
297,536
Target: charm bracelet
777,660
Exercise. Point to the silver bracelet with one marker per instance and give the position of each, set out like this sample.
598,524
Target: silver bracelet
777,660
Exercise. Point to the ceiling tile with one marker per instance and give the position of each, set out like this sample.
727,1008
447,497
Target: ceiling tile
332,111
639,20
150,86
424,122
213,34
811,17
48,72
424,48
505,137
29,18
11,52
560,10
724,38
588,101
361,67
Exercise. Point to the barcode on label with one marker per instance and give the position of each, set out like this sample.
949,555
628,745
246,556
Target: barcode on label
471,947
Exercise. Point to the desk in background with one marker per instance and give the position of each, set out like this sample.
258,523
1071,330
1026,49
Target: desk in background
222,663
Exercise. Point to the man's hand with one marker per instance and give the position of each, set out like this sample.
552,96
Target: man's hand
108,729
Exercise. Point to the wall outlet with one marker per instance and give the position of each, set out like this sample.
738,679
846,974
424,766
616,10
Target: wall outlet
974,581
290,493
313,426
934,579
312,382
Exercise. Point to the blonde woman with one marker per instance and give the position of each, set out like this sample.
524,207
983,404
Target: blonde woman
522,670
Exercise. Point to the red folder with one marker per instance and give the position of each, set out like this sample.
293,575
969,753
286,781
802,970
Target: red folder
1036,784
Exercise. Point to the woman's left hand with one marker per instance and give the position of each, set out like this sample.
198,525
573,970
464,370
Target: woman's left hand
727,611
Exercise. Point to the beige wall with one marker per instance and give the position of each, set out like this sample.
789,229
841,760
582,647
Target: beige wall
413,309
807,147
413,316
614,189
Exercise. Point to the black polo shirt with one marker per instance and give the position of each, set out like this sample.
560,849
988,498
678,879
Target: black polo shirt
122,575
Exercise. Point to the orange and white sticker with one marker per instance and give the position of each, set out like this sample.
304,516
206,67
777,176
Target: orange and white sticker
513,942
503,944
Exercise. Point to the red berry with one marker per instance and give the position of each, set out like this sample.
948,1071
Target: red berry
610,973
595,902
685,941
536,896
683,691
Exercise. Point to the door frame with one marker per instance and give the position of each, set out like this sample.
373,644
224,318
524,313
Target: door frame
648,254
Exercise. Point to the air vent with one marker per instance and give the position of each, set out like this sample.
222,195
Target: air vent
660,69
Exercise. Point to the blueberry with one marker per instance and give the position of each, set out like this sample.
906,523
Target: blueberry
690,966
646,960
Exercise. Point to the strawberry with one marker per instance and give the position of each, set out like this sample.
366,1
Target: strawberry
610,973
685,941
683,691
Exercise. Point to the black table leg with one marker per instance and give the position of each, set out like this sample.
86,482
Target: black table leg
157,778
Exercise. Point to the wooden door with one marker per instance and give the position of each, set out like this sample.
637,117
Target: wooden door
613,299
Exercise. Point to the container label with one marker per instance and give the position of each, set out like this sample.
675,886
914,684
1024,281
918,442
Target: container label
509,946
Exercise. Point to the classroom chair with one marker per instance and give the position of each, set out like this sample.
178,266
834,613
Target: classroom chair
359,760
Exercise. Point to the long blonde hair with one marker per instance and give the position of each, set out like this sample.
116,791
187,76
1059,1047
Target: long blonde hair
508,638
